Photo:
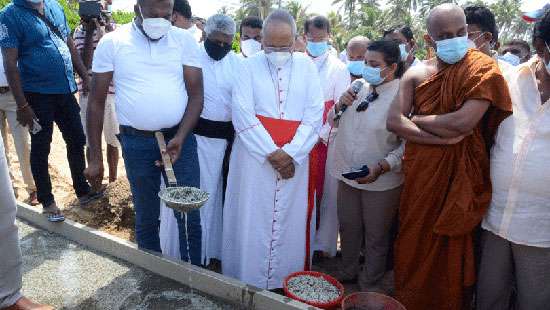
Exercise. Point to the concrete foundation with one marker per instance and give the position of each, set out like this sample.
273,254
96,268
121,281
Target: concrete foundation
228,290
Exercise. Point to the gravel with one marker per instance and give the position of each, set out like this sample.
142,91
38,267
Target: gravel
313,289
185,195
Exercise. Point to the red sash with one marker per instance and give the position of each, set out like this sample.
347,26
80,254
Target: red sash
282,131
317,164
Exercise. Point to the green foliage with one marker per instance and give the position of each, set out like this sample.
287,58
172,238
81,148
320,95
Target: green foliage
71,12
236,47
122,18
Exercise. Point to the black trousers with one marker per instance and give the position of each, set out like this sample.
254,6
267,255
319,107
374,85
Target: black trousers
62,109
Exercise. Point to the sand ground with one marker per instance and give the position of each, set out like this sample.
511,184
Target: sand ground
113,213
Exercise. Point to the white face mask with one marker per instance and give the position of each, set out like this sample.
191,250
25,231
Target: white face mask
250,47
155,28
278,59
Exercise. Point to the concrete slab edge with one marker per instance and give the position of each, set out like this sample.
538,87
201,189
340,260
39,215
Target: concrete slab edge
206,281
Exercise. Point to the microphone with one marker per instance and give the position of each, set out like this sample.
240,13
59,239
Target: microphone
355,88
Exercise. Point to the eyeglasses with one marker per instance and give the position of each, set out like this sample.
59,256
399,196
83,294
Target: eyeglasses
270,49
364,105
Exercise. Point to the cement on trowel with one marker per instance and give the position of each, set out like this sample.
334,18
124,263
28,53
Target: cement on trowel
65,275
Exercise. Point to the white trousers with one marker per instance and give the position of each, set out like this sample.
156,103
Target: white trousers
10,253
20,135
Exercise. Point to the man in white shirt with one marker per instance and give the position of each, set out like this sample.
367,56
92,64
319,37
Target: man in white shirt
182,17
356,50
335,80
404,36
213,132
277,118
515,256
158,82
20,134
251,36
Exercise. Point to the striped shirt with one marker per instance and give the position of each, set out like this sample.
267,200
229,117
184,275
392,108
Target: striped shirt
79,38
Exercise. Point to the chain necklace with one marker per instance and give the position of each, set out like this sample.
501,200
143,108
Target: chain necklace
276,87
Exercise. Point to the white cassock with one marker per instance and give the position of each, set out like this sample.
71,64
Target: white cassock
343,56
168,230
335,80
265,217
218,77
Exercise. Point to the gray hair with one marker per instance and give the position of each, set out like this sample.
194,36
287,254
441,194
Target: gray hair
220,23
282,16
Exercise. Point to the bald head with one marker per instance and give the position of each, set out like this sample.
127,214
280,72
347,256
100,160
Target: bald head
279,30
445,21
357,47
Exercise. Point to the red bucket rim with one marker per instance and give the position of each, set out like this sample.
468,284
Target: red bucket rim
373,294
328,305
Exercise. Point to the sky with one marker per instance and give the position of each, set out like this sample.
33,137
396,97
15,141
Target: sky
205,8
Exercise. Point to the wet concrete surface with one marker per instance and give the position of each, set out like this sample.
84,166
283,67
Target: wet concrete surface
63,274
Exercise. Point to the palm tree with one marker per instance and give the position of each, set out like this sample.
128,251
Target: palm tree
508,18
349,7
299,12
259,8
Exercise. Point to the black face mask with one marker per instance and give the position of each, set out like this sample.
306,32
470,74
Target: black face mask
215,50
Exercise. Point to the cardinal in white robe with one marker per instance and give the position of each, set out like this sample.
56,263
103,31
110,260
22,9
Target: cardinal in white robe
277,119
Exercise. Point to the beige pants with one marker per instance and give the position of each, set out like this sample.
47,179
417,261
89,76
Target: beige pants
366,217
110,122
505,266
20,134
10,253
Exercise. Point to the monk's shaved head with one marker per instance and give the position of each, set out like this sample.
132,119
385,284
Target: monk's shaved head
445,16
358,41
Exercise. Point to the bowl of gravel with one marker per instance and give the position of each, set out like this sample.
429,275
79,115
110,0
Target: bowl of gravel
183,199
315,289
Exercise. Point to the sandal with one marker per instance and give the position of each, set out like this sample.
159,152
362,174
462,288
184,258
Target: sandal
53,214
92,196
33,199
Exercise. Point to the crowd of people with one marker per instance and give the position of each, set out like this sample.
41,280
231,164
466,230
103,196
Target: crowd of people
432,168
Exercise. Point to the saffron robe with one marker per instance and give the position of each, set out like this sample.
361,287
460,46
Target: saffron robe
447,189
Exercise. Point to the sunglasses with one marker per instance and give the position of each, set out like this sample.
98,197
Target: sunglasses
364,105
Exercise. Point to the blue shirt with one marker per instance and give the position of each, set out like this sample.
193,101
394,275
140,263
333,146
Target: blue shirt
45,63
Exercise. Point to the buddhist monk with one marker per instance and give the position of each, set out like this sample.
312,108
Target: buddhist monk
457,101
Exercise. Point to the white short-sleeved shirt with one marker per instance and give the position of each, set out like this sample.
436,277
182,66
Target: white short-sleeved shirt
148,75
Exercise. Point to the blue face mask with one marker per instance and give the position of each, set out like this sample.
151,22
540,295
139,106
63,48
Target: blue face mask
453,50
316,49
403,50
372,75
356,67
510,58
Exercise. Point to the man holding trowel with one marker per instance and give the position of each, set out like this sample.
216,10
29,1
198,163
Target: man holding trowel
158,83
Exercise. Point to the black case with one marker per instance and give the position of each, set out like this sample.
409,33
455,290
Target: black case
89,9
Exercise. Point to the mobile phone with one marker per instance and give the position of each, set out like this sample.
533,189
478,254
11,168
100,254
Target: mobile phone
36,128
354,175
